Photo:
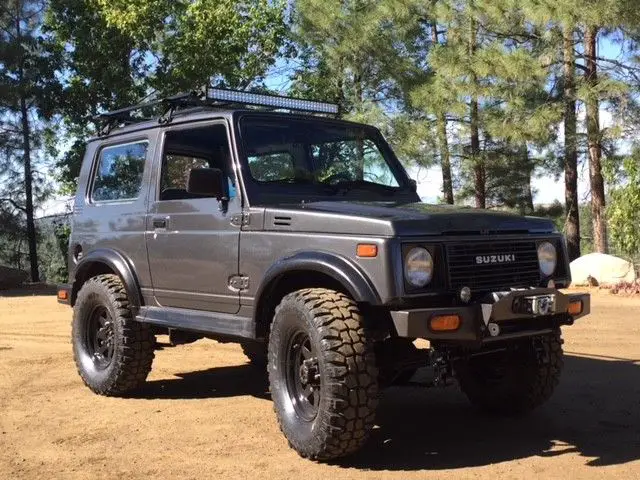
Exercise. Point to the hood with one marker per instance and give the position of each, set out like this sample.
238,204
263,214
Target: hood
394,219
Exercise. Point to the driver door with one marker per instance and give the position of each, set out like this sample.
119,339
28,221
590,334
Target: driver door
192,245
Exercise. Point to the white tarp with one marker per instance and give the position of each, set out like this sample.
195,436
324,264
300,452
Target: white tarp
606,269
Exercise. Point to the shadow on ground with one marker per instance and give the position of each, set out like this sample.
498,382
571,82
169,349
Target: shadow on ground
219,382
595,413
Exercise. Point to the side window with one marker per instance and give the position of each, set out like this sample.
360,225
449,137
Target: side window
272,167
119,172
191,149
177,168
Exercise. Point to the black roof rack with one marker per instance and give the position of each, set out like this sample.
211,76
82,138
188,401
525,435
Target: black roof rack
213,98
123,116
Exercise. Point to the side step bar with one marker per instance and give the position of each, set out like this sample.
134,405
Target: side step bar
223,324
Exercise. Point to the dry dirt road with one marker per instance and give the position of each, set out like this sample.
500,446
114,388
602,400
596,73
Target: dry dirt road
206,414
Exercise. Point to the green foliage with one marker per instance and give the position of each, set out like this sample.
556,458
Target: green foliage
118,52
192,42
623,212
53,247
360,54
553,212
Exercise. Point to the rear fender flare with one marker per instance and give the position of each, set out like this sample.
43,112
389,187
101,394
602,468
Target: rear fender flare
116,262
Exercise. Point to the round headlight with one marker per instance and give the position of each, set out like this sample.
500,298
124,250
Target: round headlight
547,258
418,267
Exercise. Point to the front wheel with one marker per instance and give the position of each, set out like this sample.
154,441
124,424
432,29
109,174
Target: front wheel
322,373
514,380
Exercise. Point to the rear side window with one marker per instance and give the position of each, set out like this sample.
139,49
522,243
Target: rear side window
119,172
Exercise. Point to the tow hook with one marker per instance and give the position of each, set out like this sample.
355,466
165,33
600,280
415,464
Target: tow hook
441,366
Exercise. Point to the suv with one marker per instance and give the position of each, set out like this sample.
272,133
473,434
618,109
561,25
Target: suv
302,238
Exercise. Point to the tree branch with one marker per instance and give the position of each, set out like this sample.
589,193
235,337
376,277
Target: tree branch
13,202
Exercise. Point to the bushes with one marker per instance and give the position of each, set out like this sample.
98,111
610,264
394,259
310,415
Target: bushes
53,244
624,208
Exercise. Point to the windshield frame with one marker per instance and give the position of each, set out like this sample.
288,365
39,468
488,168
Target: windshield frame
262,193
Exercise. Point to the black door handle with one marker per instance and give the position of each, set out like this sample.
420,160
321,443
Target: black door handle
159,223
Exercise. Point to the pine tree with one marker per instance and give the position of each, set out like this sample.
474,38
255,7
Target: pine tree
593,137
27,89
491,76
572,224
443,141
365,56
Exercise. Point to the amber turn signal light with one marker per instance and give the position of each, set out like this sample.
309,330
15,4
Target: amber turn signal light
367,250
444,323
575,308
63,295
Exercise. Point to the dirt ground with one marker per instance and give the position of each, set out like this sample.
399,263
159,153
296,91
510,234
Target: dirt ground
205,413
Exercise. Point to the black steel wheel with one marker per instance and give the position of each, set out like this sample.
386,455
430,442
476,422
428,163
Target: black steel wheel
99,337
113,352
322,373
303,376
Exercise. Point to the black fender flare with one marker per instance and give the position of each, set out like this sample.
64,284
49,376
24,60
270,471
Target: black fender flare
116,262
341,269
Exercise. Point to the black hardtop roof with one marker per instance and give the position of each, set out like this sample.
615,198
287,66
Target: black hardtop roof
198,114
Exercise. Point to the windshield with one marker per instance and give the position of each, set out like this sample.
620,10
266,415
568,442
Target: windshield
324,158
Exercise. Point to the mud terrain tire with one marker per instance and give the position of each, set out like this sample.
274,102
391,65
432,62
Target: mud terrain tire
515,381
322,373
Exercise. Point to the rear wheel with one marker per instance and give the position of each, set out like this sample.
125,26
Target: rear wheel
322,373
112,351
515,380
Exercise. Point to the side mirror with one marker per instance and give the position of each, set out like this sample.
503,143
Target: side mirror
413,184
208,182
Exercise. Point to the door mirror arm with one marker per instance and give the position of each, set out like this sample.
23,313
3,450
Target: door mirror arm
223,204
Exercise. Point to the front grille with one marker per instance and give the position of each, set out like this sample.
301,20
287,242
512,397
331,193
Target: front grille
464,271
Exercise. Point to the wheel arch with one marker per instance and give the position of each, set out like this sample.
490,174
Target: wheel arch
305,270
104,260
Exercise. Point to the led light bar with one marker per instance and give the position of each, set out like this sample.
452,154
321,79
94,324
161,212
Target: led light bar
275,101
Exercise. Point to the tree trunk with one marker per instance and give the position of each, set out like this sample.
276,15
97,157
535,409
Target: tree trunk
528,205
593,136
572,225
26,148
478,165
443,142
28,191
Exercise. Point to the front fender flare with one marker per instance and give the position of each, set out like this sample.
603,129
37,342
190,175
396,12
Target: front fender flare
116,262
341,269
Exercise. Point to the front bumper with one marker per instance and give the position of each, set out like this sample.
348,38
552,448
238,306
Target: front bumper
500,316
